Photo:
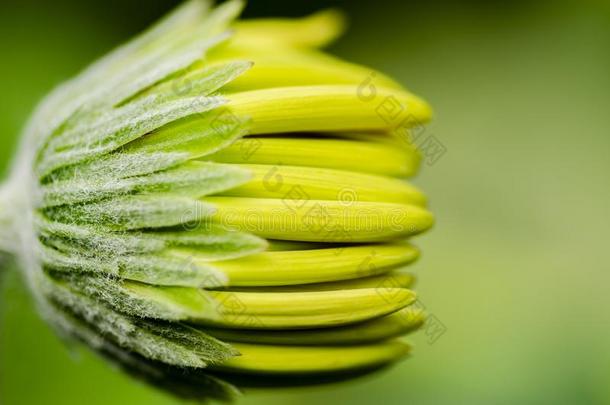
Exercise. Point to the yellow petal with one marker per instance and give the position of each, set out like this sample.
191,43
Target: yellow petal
397,324
316,30
294,67
319,309
381,158
394,279
325,184
298,218
268,359
327,108
309,266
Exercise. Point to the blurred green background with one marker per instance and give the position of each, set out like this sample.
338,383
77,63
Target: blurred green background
517,269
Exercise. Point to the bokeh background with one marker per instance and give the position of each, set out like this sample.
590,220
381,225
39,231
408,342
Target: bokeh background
517,270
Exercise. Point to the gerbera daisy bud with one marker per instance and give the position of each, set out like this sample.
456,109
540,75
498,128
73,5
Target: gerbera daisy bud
220,198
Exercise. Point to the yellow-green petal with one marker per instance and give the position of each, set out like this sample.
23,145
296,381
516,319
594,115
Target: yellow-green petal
382,159
319,309
269,359
308,266
327,108
316,30
295,67
393,279
324,184
399,323
301,219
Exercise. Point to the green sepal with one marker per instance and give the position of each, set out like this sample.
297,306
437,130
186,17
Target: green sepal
192,179
134,212
176,343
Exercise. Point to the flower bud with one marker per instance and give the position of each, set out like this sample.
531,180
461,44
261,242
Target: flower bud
221,201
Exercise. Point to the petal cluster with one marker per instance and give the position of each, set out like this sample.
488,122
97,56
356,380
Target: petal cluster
223,195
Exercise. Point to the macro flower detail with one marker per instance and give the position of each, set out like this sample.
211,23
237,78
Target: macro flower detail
219,199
